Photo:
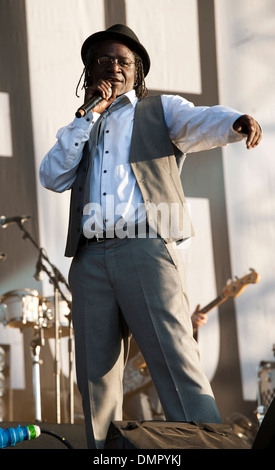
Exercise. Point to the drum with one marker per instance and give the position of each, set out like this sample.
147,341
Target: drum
266,383
2,313
47,317
20,308
136,374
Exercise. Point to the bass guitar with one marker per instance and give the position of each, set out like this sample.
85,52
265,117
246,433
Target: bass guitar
136,373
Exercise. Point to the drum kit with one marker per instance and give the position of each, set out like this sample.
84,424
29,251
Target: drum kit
49,317
266,387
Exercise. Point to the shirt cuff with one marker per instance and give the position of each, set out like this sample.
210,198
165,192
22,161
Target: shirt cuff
235,136
84,122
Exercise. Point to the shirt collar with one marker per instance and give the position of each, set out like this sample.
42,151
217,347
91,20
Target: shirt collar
131,95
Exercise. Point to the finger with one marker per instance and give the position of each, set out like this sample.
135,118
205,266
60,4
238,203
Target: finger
114,93
248,128
197,309
257,137
105,90
250,137
201,322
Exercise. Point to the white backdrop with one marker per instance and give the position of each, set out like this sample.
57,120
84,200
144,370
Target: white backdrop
246,69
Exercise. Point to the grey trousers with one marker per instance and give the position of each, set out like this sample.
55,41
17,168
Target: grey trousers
135,284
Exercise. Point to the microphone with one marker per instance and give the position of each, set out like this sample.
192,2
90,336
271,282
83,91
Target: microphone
10,436
20,219
86,107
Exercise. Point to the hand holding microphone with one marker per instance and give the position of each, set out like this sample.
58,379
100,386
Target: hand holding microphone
97,98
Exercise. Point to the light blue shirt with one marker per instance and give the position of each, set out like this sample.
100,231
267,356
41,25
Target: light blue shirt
113,186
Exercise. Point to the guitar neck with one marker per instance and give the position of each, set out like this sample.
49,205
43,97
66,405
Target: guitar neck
232,289
219,300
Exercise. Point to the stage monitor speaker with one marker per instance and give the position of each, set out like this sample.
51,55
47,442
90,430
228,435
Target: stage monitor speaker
265,438
171,435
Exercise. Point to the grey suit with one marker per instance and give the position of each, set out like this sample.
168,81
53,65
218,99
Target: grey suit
138,282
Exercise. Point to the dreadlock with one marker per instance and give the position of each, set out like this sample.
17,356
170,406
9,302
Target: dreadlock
139,86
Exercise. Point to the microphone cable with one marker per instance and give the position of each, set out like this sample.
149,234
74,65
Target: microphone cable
53,434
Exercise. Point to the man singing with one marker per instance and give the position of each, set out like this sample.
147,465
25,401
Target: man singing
127,218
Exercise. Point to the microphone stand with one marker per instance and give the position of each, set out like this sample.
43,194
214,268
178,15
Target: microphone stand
55,279
36,344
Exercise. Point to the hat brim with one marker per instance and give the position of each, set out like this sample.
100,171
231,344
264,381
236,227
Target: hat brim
129,42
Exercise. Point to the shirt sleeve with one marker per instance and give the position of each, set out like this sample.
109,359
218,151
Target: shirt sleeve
59,166
195,128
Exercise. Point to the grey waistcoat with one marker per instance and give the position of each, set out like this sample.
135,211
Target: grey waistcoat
155,162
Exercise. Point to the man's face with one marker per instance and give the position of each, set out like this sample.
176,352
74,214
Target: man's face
121,77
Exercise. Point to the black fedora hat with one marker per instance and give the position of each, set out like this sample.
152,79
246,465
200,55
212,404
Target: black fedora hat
121,33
